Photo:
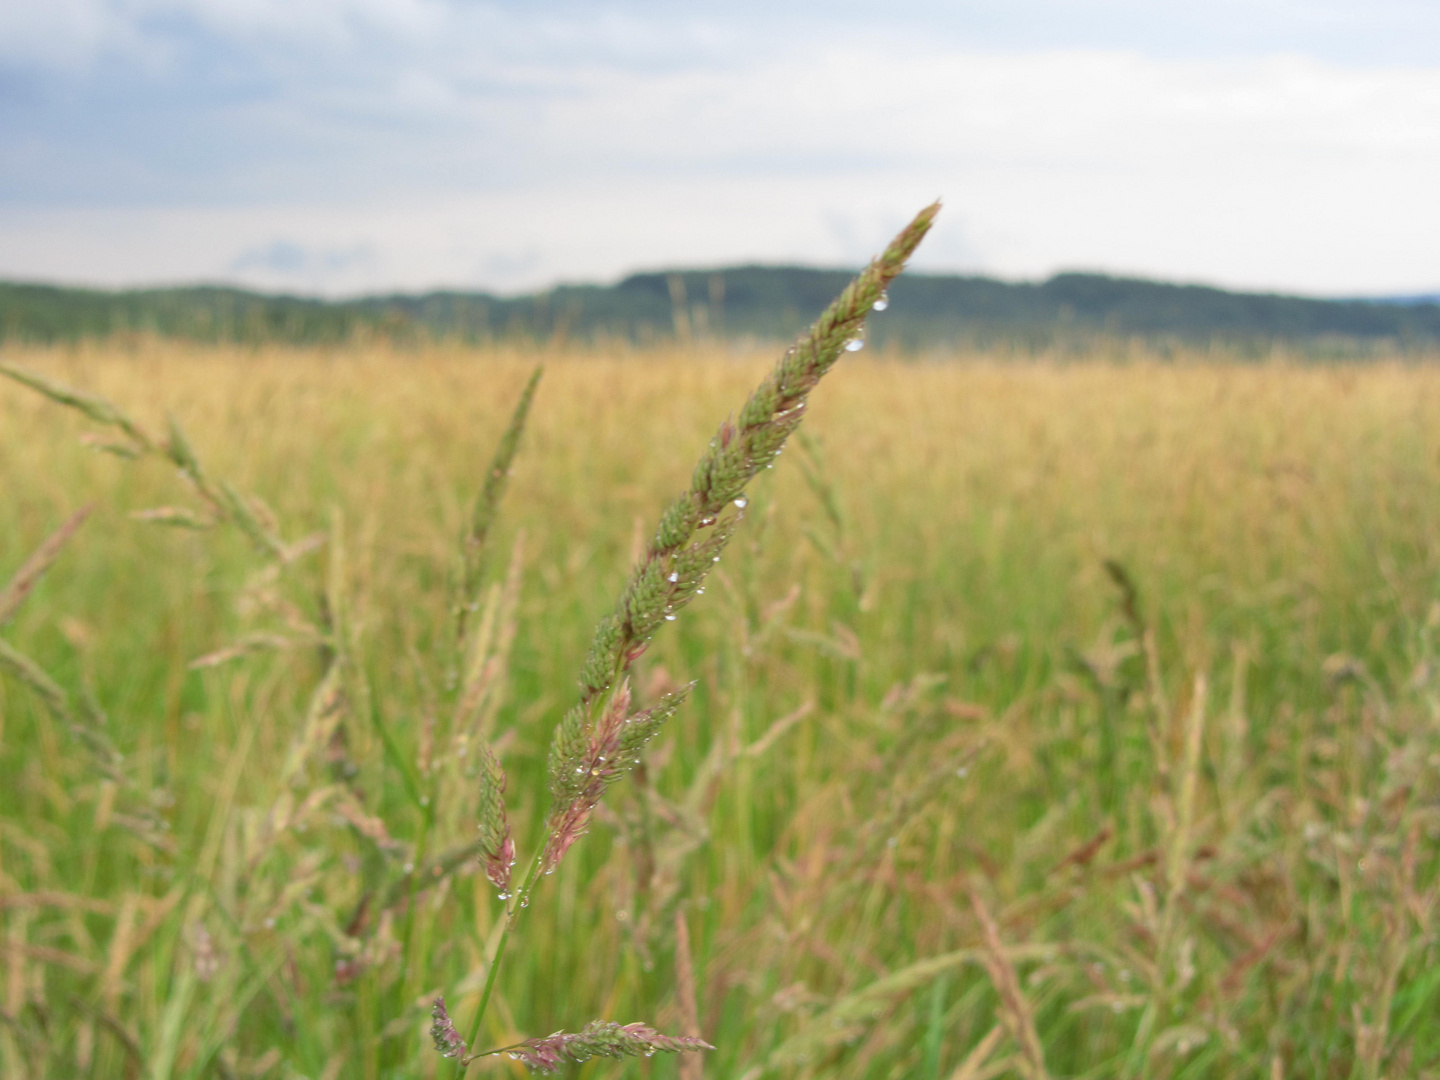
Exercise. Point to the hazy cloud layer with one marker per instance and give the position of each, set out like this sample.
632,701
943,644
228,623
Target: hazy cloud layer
352,145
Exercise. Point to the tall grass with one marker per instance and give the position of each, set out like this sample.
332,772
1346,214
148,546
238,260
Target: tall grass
951,799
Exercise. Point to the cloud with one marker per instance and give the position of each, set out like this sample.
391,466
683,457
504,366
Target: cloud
506,146
282,259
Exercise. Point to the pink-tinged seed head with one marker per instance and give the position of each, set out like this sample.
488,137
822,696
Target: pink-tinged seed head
442,1030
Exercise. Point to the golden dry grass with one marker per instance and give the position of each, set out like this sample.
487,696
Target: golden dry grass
1280,521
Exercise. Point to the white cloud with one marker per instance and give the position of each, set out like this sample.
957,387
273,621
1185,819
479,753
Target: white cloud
485,146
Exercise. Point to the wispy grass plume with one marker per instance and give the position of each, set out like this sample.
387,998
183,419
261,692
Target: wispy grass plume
599,739
695,529
475,545
599,1038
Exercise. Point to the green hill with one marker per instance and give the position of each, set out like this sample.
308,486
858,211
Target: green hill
926,312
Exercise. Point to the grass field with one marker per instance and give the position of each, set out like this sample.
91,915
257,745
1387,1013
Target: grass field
1066,719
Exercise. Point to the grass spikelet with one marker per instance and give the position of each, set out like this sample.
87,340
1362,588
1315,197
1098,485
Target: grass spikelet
448,1042
34,676
696,527
20,586
676,562
1015,1011
599,1038
222,501
86,722
497,850
475,545
487,654
99,409
580,781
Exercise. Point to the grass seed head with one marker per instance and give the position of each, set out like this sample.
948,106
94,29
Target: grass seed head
692,533
442,1030
600,1038
497,849
595,760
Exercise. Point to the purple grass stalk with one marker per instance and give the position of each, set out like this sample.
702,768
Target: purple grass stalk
695,529
598,739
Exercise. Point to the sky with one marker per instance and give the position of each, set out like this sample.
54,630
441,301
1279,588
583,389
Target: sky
339,147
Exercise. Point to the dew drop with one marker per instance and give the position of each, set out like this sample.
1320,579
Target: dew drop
525,900
707,521
855,344
669,618
580,770
716,559
674,577
700,591
742,502
882,303
504,896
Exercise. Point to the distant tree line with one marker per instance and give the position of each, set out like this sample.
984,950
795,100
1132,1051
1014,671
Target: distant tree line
927,313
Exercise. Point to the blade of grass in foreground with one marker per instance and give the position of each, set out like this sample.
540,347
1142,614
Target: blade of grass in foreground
599,739
693,531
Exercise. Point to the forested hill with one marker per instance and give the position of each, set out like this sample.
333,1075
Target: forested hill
926,312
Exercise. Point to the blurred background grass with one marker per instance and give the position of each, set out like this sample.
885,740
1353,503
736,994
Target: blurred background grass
919,590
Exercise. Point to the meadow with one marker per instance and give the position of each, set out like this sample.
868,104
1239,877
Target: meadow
1052,718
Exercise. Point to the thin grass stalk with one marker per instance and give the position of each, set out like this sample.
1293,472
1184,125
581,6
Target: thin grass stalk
1015,1011
1178,857
692,1066
474,545
976,1059
33,569
494,970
